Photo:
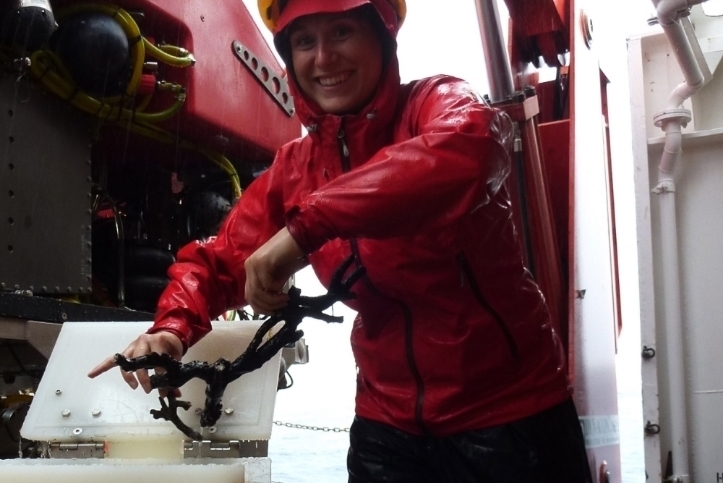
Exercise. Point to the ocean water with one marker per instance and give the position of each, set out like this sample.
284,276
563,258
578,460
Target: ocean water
323,396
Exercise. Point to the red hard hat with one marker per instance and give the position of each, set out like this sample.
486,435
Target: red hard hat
392,12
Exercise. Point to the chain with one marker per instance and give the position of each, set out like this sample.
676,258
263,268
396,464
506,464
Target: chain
312,428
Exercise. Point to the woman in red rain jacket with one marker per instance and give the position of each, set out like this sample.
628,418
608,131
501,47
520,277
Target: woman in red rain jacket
461,377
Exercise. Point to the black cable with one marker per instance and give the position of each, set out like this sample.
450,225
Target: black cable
19,363
10,434
288,374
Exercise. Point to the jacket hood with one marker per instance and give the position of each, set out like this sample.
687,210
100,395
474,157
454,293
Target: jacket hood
381,108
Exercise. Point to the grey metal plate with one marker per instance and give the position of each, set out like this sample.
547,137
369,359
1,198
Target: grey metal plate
44,191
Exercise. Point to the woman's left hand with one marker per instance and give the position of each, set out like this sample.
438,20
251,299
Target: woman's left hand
268,269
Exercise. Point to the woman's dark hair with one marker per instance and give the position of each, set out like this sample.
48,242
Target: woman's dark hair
368,12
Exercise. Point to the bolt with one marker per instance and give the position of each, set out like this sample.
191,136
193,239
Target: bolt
64,316
66,413
95,413
58,392
228,411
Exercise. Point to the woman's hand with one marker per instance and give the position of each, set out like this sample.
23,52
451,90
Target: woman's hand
160,342
268,269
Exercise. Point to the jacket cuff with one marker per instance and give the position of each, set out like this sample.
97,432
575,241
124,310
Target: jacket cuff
301,232
184,337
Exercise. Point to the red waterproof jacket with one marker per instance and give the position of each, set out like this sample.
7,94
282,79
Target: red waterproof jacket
452,333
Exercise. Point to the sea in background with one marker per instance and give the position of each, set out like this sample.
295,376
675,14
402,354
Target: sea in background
323,396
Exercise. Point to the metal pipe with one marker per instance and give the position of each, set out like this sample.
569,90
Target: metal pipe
672,150
671,119
687,62
499,73
524,206
674,346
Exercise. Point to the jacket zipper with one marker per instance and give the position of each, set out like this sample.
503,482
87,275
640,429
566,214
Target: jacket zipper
344,149
408,328
469,275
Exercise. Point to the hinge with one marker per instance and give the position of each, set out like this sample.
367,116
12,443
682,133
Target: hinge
231,449
73,450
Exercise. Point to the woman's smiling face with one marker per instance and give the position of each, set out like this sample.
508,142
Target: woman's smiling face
337,60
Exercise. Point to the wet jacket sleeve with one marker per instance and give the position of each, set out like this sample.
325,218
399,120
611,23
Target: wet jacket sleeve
208,277
455,160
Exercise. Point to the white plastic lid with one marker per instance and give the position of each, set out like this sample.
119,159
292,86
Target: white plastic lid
69,407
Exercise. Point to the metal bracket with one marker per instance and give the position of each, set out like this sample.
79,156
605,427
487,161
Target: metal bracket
231,449
666,186
274,83
74,450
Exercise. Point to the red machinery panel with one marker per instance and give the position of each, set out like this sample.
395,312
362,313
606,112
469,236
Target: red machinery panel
227,109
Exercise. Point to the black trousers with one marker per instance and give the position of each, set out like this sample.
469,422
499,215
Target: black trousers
547,447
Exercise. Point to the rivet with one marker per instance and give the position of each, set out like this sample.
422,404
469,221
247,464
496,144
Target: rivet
198,411
228,411
58,392
95,413
66,413
77,431
212,429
